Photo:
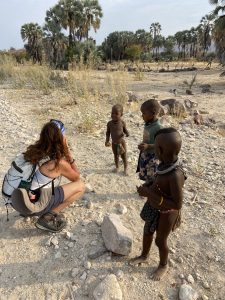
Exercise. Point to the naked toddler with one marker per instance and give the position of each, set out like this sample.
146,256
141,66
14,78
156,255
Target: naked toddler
116,128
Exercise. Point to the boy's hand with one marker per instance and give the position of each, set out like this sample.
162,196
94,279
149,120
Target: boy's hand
143,191
143,146
107,144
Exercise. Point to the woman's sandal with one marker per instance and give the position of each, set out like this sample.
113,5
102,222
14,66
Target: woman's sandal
50,222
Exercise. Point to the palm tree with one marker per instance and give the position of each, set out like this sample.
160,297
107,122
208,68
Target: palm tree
55,41
205,30
219,28
92,14
33,34
155,30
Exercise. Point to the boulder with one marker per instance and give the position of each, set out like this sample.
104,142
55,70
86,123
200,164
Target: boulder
174,106
132,97
186,292
116,236
108,289
190,104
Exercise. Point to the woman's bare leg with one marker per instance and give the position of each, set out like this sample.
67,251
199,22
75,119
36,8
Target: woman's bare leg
72,192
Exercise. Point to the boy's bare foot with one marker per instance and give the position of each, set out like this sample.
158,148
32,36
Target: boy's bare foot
126,172
138,260
159,273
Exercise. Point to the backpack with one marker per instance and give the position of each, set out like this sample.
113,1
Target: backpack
19,175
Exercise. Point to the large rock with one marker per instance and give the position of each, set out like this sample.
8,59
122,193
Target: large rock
116,236
108,289
174,106
186,292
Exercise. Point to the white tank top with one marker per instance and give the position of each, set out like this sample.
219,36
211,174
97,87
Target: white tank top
39,180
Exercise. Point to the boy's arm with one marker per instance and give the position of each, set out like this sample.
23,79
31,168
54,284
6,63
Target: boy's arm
107,134
125,129
176,182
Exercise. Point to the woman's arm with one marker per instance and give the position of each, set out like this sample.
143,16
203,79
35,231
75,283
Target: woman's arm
69,171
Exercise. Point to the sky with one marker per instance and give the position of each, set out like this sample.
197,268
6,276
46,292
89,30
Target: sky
118,15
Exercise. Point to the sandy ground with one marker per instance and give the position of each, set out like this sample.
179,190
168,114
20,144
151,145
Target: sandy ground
30,268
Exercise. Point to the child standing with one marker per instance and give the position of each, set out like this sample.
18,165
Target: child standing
147,162
117,128
161,212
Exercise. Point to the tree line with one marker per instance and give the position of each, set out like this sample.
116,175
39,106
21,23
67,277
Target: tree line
65,39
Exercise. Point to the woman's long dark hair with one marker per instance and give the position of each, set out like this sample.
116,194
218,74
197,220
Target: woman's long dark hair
50,144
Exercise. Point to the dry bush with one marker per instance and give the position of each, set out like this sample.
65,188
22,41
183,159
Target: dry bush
116,85
35,77
88,124
7,65
139,74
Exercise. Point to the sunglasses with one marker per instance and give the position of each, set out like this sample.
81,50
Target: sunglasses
59,124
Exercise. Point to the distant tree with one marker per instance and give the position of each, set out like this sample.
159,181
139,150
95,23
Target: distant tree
155,30
205,30
133,52
169,44
32,33
55,42
116,43
78,17
219,28
144,39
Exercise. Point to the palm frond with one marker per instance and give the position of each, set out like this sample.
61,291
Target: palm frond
214,2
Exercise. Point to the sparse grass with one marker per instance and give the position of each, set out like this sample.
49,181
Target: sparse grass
191,82
139,74
7,65
88,124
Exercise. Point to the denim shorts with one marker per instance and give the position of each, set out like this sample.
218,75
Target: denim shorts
52,200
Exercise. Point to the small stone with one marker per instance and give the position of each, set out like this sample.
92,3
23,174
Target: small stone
119,273
69,235
70,245
74,272
173,251
181,276
186,292
88,188
94,243
99,220
206,285
58,254
83,276
180,260
27,219
190,279
48,242
89,204
54,241
73,238
56,247
87,265
204,297
83,230
172,262
121,209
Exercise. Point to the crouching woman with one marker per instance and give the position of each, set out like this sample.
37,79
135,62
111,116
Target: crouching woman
53,159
